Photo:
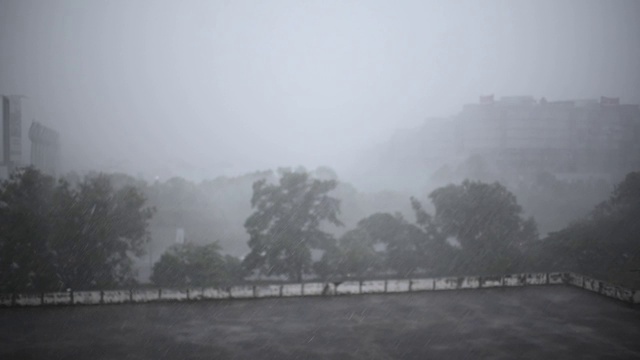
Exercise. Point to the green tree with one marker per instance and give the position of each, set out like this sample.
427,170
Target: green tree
97,230
486,220
603,244
58,236
25,255
192,265
408,248
285,224
354,256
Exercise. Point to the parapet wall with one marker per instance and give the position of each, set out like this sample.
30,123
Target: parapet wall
320,289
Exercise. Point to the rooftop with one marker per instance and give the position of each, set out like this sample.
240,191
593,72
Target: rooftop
502,323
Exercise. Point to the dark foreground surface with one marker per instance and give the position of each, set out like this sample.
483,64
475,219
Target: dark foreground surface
535,322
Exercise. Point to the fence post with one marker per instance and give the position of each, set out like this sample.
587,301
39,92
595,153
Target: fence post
385,286
101,297
71,297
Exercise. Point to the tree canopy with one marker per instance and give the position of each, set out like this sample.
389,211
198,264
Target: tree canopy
192,265
25,208
353,257
406,245
285,224
58,236
487,222
604,243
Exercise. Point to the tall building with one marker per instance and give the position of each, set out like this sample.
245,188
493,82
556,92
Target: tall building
11,134
45,148
522,135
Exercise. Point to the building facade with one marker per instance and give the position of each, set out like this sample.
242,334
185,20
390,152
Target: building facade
42,150
45,148
11,134
522,135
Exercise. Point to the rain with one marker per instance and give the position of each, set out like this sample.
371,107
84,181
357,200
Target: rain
319,179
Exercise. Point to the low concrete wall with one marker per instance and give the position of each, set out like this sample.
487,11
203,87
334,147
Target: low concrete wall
320,289
348,288
145,295
492,281
422,284
28,300
59,298
214,294
267,291
241,292
556,278
446,283
469,282
395,286
514,280
575,279
115,297
6,299
536,278
603,288
292,290
87,297
315,289
373,287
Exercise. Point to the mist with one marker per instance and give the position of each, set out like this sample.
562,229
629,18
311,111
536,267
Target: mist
291,179
200,89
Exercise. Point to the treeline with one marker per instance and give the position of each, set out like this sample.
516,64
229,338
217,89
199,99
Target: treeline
86,233
54,235
475,228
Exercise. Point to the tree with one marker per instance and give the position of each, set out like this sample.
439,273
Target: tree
96,231
191,265
55,236
354,256
407,246
285,224
442,257
25,255
603,244
487,222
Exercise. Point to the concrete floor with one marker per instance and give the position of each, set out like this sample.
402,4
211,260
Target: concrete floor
554,322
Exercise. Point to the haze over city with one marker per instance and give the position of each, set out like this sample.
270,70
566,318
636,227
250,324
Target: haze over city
199,89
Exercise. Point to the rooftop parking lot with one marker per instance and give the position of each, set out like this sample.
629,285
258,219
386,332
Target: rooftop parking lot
505,323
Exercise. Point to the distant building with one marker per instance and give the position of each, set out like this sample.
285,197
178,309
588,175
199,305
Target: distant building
522,135
11,135
45,148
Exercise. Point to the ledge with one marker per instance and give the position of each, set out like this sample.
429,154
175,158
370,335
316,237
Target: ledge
69,298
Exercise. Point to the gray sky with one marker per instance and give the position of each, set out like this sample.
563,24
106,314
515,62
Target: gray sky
203,88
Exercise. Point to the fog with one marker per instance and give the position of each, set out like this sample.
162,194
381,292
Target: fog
200,89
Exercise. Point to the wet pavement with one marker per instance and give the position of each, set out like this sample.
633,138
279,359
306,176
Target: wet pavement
527,323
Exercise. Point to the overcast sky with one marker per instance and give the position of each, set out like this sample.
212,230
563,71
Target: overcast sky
204,88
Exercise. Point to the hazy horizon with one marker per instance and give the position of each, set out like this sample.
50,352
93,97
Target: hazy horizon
200,89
